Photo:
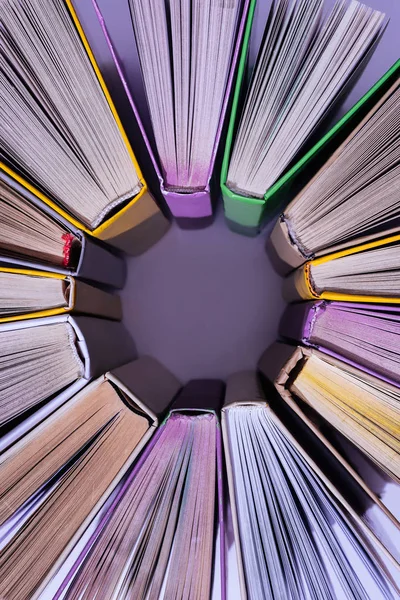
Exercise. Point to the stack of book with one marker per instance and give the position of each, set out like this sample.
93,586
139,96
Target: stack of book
117,480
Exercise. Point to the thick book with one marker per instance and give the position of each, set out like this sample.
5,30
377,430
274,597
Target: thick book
62,472
35,236
272,128
364,335
58,109
196,50
284,481
363,408
366,273
28,294
352,199
45,360
160,528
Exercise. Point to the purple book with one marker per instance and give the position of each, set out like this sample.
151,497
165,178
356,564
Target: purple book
365,336
188,63
157,534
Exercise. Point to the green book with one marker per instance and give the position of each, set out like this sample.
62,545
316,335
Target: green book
245,213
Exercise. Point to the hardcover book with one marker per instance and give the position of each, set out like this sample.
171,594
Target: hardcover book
29,294
283,484
364,335
33,235
56,107
352,199
303,67
160,526
60,474
46,360
361,407
366,273
196,51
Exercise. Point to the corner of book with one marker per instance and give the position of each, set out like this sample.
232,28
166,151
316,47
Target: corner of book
96,302
243,214
148,380
242,387
295,321
296,286
284,255
99,264
135,228
274,360
194,206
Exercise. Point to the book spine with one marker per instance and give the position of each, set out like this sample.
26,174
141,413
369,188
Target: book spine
93,301
297,286
100,264
149,381
105,344
285,256
297,321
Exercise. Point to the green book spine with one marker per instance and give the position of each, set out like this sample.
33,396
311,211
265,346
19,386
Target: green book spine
244,212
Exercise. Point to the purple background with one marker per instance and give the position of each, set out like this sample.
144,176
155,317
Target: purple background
206,303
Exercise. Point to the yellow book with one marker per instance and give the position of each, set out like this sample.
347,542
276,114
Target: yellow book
29,294
84,166
369,272
363,408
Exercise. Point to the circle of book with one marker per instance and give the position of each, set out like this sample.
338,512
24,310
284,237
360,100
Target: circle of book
118,481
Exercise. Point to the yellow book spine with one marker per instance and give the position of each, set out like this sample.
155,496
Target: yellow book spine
355,249
354,298
310,293
50,312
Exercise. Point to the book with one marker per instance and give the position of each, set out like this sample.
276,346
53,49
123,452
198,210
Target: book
365,273
188,58
352,198
41,358
304,64
56,107
59,474
364,335
295,507
363,408
29,294
158,532
33,235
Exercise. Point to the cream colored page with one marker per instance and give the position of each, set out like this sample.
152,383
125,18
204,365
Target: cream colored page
368,416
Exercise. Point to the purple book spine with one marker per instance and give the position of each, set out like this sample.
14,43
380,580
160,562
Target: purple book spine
198,204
